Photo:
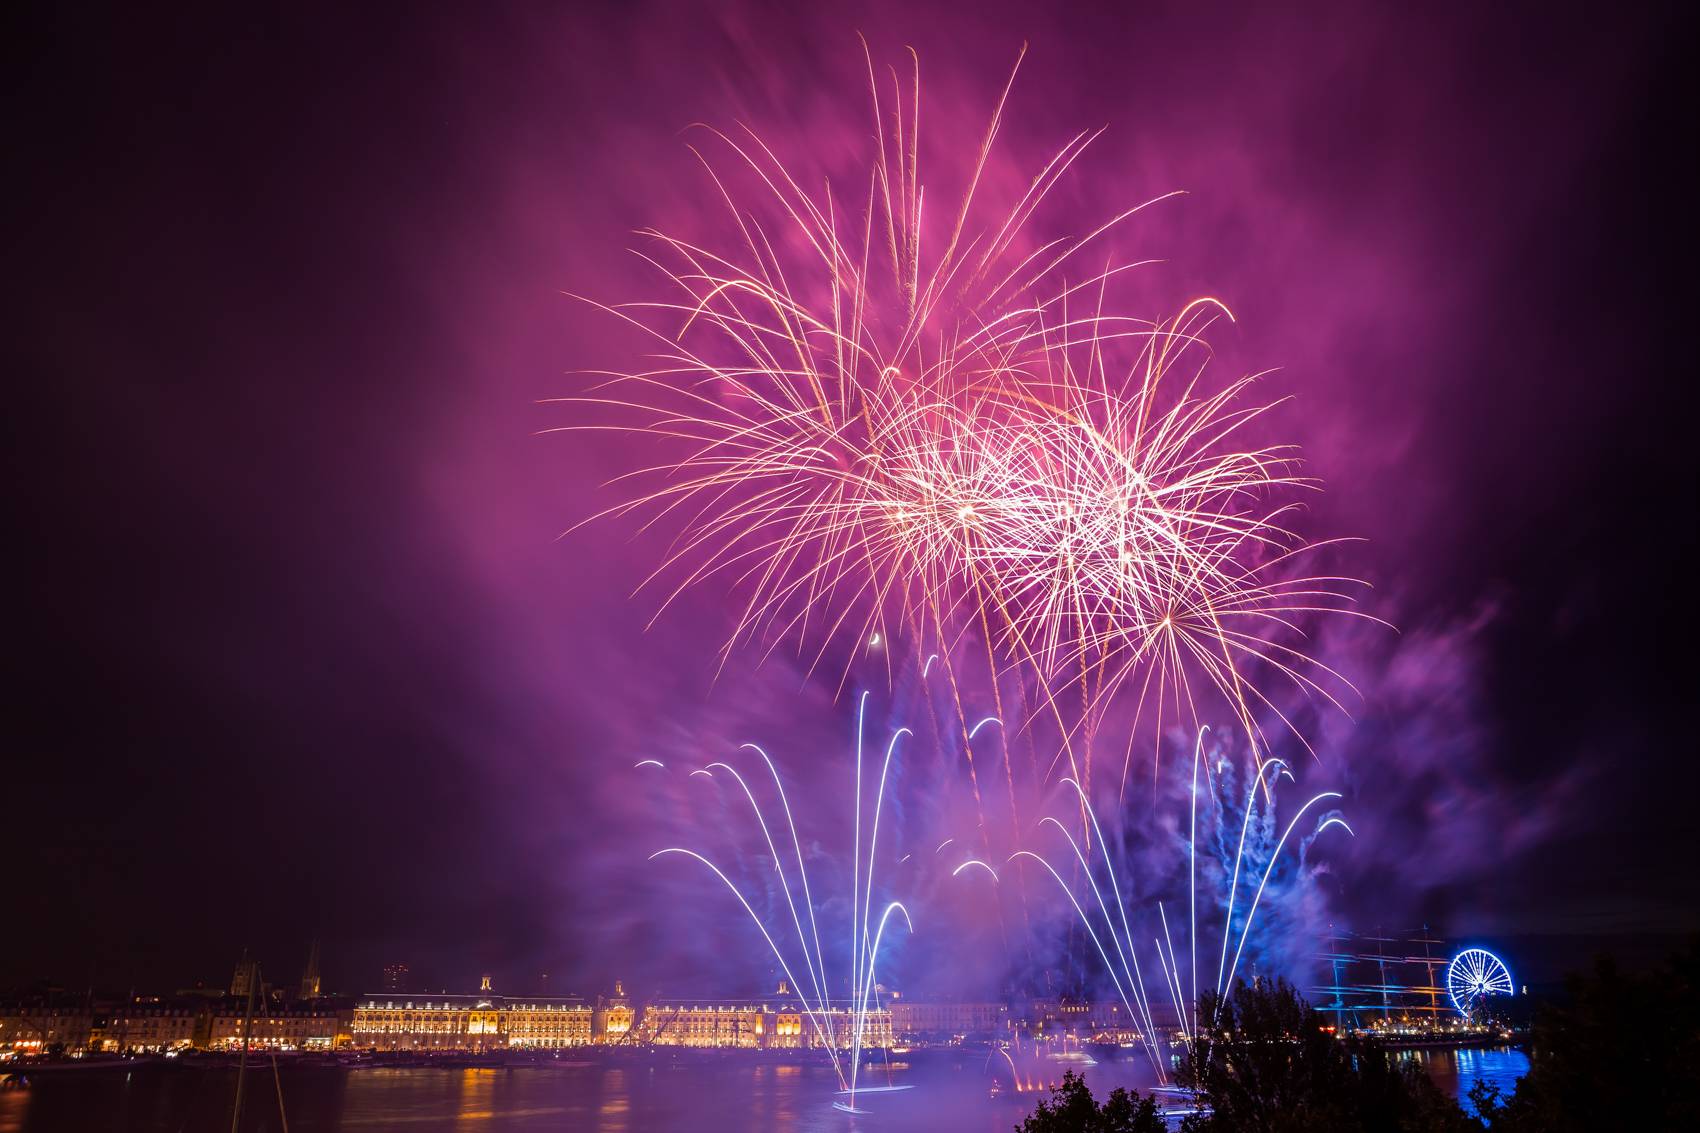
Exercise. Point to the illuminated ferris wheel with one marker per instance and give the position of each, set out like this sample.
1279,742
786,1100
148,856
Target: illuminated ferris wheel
1473,975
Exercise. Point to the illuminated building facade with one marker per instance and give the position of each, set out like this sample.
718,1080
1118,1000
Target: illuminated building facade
34,1029
1094,1020
947,1022
147,1027
545,1025
470,1022
775,1025
151,1027
289,1029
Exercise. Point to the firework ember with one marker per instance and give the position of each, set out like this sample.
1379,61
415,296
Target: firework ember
1104,914
844,1045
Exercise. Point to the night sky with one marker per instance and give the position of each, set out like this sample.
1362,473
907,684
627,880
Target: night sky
303,654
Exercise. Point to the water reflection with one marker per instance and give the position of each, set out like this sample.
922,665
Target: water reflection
477,1093
615,1107
13,1104
662,1093
1455,1071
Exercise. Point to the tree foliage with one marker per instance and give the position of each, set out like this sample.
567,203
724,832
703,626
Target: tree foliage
1072,1109
1620,1052
1269,1064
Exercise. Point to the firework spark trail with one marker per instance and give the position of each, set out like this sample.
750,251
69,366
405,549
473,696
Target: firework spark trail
1033,1056
865,936
955,451
1120,959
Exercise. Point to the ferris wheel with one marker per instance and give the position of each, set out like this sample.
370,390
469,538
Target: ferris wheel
1473,975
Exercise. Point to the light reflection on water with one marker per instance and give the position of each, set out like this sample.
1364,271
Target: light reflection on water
1455,1071
697,1094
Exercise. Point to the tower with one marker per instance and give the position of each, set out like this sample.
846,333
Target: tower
243,980
310,976
611,1020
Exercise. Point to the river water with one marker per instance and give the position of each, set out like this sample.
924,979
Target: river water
707,1094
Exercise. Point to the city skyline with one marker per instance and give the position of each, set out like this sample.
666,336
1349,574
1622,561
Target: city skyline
439,1022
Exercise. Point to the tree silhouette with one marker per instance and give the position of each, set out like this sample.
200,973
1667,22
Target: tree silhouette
1072,1109
1622,1052
1267,1063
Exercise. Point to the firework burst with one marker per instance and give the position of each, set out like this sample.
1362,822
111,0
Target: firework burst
946,438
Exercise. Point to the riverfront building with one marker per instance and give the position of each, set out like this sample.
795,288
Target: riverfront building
781,1023
149,1028
1087,1020
294,1027
40,1029
479,1023
269,1018
948,1022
